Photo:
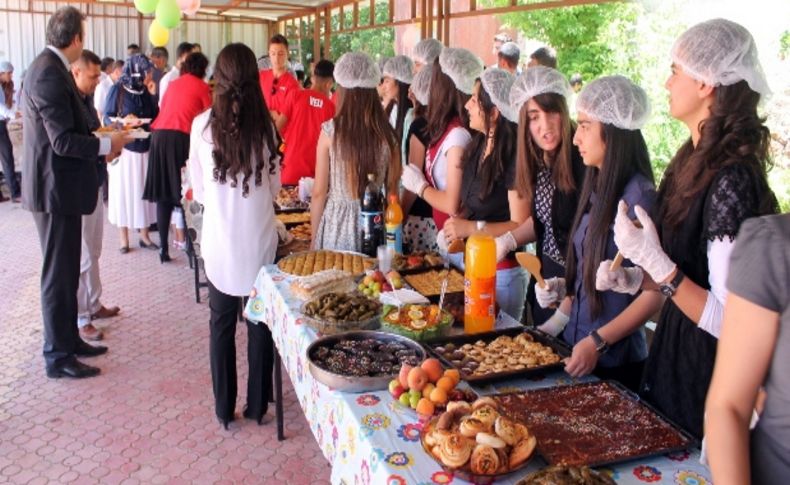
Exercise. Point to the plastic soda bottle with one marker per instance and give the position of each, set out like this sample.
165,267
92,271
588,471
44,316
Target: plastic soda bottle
479,282
393,221
371,218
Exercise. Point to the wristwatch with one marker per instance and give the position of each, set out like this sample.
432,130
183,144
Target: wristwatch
669,289
601,346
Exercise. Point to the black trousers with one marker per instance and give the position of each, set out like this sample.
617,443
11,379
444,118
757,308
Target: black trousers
61,242
222,350
163,212
7,159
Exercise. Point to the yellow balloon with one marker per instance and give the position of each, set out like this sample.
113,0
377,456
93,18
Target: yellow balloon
157,34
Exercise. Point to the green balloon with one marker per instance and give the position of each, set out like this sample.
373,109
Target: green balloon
168,14
145,6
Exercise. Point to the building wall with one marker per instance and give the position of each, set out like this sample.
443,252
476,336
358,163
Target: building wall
23,34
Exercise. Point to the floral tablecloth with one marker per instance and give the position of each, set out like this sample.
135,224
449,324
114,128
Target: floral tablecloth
370,439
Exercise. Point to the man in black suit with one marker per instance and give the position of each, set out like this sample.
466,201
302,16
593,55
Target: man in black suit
59,185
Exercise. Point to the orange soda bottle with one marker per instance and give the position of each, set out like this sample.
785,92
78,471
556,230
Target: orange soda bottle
393,221
479,282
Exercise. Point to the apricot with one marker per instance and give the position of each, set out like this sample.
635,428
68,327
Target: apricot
433,368
426,407
417,379
403,375
453,374
429,387
447,384
438,396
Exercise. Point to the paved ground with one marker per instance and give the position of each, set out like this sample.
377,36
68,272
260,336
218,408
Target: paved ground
148,418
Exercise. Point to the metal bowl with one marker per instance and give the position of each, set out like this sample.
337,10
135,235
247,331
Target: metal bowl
354,383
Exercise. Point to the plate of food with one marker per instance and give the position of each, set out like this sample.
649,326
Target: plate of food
302,232
428,388
418,322
309,262
477,442
287,200
416,262
333,313
130,120
136,133
567,475
429,283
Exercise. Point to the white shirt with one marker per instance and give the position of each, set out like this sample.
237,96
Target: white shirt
171,75
239,234
6,113
100,96
458,137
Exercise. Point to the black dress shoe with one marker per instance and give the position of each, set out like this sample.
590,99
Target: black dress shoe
261,419
151,245
224,422
85,349
72,368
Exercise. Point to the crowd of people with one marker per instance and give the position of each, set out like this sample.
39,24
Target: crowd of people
460,145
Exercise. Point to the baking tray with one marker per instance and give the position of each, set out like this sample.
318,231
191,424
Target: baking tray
435,298
294,254
555,344
421,269
688,439
297,211
354,383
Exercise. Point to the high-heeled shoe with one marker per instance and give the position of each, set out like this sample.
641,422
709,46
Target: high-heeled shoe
259,419
224,422
164,257
151,245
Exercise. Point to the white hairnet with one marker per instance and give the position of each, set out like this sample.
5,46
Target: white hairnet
400,68
510,49
497,83
462,66
720,53
421,84
615,100
357,70
538,80
5,67
427,50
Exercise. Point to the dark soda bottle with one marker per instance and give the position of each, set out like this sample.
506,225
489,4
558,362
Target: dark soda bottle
371,218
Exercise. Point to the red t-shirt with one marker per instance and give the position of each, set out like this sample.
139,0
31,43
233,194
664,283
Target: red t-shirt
275,91
185,98
306,110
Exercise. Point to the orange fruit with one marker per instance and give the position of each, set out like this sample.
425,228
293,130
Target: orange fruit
438,396
426,407
453,374
447,384
417,379
433,368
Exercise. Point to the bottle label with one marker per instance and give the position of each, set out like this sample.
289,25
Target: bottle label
371,228
479,296
395,237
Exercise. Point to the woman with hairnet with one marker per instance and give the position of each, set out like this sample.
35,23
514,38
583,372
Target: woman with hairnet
419,230
132,97
439,182
716,180
357,142
488,192
396,79
549,174
611,112
425,53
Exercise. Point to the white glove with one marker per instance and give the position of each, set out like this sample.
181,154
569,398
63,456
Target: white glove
621,280
555,324
441,241
504,245
641,246
413,179
554,292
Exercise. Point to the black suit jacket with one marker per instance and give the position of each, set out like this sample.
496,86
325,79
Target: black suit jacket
59,165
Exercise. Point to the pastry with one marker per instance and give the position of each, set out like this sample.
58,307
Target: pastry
487,415
445,420
310,262
436,436
522,451
322,282
455,450
507,430
483,401
430,282
470,426
460,405
484,460
490,440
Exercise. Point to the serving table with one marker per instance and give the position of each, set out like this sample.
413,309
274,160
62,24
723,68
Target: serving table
369,438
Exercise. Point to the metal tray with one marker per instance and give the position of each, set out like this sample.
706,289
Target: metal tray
421,269
690,441
434,298
352,383
297,253
555,344
297,211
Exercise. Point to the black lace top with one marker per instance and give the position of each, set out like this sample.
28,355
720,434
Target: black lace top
544,196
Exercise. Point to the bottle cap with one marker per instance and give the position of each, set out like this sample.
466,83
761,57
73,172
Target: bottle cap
371,177
393,197
481,225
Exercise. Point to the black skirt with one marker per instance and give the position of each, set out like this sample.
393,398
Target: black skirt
168,155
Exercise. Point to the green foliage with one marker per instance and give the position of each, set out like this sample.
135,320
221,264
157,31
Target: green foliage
784,44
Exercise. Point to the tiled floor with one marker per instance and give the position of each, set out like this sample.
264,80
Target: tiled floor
148,418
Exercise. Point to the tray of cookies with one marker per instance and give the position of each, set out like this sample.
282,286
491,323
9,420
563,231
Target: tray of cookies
501,354
477,442
310,262
429,283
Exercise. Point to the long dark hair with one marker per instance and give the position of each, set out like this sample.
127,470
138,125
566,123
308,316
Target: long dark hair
530,157
403,104
732,134
445,103
241,127
8,92
492,167
626,155
361,130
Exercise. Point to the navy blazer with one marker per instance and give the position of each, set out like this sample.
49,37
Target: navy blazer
59,165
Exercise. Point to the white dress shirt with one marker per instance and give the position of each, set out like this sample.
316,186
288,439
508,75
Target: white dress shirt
100,96
169,76
239,234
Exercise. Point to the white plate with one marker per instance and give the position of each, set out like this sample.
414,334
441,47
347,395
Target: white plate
136,134
130,121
